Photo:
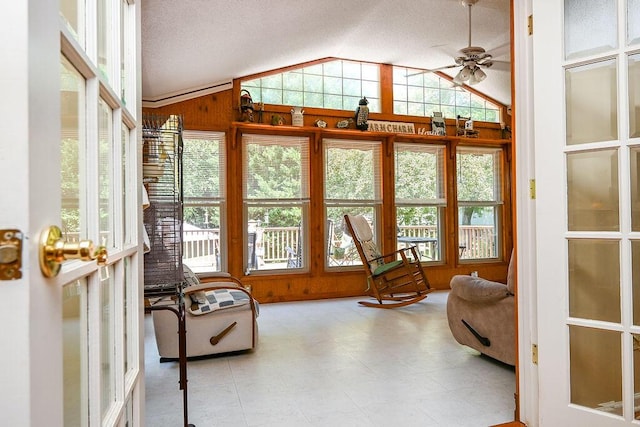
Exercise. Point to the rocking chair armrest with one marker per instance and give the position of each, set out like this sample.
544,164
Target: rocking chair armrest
403,255
394,255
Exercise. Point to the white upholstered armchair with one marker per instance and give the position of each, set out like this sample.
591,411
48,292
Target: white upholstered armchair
220,317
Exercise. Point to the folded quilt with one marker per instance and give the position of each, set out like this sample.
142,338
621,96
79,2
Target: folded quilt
204,302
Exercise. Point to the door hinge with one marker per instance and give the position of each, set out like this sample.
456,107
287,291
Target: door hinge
530,24
532,189
534,353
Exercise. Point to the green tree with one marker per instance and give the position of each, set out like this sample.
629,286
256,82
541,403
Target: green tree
70,185
476,182
201,181
349,174
416,180
274,172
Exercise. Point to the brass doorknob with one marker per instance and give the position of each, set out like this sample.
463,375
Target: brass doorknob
54,250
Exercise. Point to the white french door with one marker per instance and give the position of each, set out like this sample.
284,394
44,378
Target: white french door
70,70
587,146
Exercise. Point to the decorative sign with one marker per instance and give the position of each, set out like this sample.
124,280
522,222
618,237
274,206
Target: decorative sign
396,127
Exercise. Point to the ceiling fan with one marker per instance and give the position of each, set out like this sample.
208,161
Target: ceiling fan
473,58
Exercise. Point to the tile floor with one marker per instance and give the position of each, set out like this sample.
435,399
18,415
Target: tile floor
335,363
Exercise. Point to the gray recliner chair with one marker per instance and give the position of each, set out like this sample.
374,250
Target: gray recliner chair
481,315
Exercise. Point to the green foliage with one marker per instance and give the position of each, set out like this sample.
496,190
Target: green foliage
70,185
476,182
417,215
201,179
274,172
201,168
416,175
349,174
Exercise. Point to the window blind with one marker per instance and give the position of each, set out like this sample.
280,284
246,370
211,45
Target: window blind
204,163
275,167
352,170
419,173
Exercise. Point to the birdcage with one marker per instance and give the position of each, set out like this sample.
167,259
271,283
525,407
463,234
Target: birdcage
162,177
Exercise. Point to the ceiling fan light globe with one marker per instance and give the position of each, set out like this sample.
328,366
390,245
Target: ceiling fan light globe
477,76
463,75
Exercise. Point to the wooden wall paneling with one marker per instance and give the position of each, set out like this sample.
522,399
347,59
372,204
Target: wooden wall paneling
388,210
316,205
235,217
451,211
386,85
208,112
217,112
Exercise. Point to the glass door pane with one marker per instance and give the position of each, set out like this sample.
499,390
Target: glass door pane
636,369
73,12
591,27
72,98
126,190
105,173
75,353
633,24
592,103
634,156
596,368
130,313
105,38
594,279
107,328
592,191
634,94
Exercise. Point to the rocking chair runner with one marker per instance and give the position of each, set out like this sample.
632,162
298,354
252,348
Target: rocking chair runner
393,282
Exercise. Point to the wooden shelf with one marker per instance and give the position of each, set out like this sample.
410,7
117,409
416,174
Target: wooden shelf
247,127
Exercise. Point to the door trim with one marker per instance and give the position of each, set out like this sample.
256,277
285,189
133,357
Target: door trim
527,371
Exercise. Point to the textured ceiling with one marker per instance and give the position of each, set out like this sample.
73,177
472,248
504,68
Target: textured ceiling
191,44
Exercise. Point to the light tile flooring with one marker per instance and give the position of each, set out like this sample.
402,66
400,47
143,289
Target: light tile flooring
336,363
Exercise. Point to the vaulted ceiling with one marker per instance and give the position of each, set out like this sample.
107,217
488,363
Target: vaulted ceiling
194,44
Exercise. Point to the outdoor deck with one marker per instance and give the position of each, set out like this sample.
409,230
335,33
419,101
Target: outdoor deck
275,247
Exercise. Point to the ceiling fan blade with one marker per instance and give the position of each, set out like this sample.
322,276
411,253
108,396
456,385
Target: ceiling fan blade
502,50
431,70
501,65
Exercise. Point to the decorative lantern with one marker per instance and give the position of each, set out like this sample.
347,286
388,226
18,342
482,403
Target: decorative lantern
246,103
246,106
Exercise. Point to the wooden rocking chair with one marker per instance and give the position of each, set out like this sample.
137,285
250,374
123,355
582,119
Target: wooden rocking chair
393,282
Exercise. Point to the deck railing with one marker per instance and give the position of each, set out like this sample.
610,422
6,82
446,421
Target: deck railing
475,241
276,245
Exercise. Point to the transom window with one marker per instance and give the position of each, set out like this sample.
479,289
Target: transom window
419,93
336,84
